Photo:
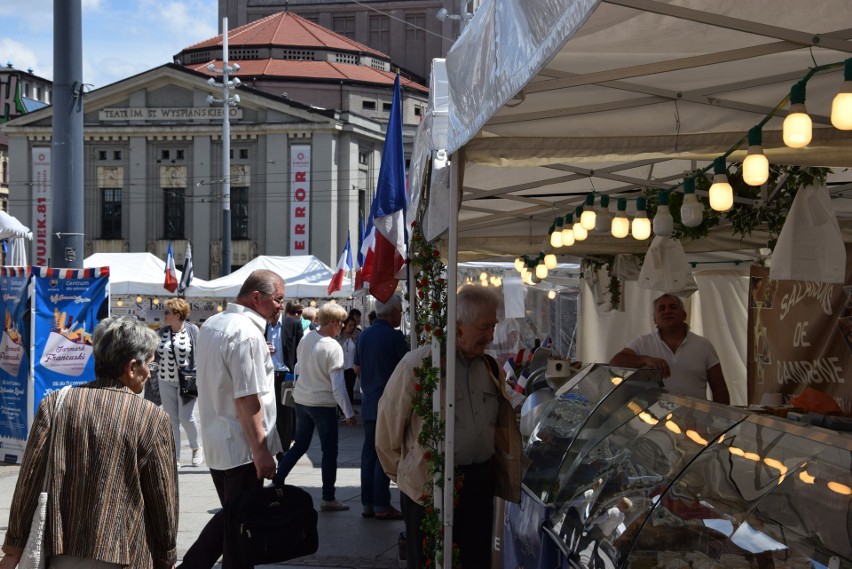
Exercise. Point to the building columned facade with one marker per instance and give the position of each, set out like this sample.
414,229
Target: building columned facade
300,174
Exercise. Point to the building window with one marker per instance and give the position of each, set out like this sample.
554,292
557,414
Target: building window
414,29
102,154
174,206
380,32
111,213
344,25
368,105
386,107
244,154
116,154
180,154
165,154
239,214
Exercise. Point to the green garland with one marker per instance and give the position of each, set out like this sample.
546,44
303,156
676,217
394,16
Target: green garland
430,320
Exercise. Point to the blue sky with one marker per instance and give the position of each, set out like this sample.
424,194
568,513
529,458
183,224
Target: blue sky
121,38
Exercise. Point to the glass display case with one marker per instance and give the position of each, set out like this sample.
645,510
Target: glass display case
623,474
594,400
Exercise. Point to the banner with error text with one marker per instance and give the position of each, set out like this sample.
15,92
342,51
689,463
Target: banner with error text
67,305
800,335
14,362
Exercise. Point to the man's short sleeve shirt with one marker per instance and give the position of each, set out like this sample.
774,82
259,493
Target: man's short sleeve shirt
689,364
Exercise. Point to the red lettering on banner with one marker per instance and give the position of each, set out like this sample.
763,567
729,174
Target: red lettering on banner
301,194
301,176
299,245
300,229
300,212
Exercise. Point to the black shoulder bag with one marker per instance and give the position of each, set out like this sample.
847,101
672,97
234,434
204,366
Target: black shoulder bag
186,378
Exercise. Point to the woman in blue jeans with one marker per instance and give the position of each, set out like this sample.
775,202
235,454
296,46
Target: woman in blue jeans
319,390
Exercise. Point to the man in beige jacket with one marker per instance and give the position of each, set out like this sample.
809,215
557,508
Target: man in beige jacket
487,440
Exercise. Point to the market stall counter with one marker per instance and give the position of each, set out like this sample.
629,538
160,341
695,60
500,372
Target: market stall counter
623,474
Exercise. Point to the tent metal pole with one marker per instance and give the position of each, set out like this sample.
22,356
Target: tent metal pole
449,399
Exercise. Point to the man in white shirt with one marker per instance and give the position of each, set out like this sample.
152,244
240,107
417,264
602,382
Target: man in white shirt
687,361
236,404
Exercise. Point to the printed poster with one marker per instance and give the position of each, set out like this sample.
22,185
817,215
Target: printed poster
68,304
14,362
799,336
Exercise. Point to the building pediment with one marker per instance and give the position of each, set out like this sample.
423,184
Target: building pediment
170,95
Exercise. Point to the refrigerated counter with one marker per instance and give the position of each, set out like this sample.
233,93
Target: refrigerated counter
621,473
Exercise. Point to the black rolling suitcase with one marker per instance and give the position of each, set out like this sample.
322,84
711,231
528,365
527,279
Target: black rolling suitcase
272,524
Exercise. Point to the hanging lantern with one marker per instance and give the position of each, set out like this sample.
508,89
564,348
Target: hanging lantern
641,225
841,106
721,192
663,220
691,211
580,232
620,224
798,127
587,219
755,165
568,231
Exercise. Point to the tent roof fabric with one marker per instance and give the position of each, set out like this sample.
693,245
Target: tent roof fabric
132,273
305,276
548,101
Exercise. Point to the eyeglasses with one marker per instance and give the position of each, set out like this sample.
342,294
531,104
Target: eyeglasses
153,367
279,300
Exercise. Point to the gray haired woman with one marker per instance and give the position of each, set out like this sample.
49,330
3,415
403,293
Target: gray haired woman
113,490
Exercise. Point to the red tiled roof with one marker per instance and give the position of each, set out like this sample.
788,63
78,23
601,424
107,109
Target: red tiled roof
286,29
320,70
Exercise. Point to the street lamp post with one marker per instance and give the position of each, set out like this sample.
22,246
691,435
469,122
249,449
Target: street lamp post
227,102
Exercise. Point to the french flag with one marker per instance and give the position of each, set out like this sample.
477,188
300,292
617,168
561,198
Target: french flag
171,282
343,265
386,239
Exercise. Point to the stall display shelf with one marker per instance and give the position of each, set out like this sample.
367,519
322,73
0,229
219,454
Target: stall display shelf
623,474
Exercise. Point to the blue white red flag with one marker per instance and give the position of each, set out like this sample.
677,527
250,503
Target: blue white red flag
171,282
387,214
343,265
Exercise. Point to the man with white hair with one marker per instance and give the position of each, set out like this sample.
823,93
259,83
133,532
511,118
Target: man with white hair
687,362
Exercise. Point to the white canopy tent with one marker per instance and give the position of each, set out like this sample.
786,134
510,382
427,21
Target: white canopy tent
133,273
305,276
537,104
540,103
16,232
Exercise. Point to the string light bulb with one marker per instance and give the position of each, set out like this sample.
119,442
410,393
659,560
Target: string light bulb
580,232
587,219
551,294
663,220
603,219
550,261
691,211
841,106
568,231
755,165
798,127
620,224
721,192
541,270
641,225
556,236
519,264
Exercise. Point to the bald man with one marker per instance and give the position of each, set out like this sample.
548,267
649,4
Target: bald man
687,361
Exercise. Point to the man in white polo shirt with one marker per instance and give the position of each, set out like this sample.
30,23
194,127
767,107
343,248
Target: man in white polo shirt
687,361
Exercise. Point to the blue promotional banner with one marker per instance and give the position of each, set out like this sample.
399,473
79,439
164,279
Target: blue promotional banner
14,362
67,305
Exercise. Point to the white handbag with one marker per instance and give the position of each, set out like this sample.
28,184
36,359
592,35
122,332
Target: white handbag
34,555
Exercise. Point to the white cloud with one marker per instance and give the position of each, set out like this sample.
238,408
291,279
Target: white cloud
24,57
187,19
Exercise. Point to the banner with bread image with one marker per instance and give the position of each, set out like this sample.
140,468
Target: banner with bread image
69,303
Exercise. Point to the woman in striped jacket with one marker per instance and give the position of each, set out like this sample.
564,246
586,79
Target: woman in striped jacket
112,493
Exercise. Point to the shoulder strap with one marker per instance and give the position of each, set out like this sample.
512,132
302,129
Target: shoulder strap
493,366
60,400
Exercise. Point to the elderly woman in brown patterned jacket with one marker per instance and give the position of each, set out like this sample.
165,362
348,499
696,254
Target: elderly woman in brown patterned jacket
112,491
